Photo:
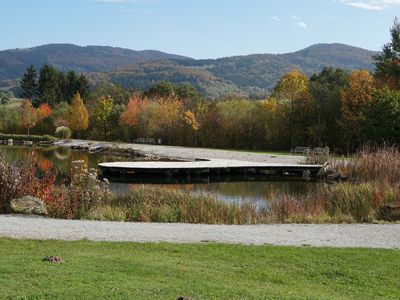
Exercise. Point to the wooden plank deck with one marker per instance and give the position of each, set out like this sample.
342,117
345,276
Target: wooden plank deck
212,166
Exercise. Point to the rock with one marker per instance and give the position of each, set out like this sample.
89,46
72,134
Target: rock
53,259
28,205
183,298
390,212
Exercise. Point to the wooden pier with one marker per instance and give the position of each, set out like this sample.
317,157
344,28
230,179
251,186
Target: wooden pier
211,167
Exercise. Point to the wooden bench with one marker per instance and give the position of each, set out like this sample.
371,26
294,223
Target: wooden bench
308,150
301,150
149,141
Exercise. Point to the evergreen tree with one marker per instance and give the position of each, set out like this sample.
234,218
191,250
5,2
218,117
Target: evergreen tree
49,89
29,83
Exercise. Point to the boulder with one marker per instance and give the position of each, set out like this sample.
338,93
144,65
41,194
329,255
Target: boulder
390,212
28,205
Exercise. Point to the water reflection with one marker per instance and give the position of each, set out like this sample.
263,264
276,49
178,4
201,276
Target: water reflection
258,190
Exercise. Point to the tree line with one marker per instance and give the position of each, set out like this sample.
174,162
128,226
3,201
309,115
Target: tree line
51,86
334,108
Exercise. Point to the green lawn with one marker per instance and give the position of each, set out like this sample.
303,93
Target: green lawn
206,271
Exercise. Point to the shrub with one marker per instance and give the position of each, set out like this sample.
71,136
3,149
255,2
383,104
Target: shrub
10,184
63,132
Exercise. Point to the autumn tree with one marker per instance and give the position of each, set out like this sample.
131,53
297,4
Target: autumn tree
102,113
293,87
354,98
44,110
78,116
168,117
190,120
129,115
28,115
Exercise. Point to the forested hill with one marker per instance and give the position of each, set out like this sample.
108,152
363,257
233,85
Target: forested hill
67,57
250,75
253,75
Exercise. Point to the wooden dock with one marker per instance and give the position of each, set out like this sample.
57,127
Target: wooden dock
212,167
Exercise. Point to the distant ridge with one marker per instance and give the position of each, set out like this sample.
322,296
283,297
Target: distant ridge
250,75
71,57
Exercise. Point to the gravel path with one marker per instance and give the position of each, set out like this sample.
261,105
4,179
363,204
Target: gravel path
192,153
332,235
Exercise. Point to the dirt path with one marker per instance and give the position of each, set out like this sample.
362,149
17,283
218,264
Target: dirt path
329,235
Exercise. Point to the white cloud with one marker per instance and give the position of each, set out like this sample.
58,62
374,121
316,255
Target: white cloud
135,11
294,17
371,4
275,18
301,25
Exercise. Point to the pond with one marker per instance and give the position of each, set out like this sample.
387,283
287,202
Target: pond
258,190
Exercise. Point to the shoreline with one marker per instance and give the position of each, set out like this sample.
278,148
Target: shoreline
180,153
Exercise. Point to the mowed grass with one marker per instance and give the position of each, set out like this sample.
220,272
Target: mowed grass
105,270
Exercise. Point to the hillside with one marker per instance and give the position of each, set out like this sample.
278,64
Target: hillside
71,57
251,75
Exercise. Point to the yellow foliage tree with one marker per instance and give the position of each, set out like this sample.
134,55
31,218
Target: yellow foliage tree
293,87
28,115
78,116
353,99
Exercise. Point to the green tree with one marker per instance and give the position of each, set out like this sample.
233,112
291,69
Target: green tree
49,89
29,83
381,122
102,113
388,62
162,89
325,89
78,116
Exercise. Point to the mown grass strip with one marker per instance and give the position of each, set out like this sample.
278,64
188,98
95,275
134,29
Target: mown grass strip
99,270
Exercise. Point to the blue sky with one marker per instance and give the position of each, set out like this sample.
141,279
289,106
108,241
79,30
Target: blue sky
198,28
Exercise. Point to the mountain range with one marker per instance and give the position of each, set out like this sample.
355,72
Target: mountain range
250,75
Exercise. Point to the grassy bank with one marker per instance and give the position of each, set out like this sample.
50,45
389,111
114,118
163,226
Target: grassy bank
94,270
371,194
25,137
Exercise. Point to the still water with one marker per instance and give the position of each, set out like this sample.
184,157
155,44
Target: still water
235,189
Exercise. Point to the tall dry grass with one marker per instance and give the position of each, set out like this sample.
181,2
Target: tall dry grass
372,164
155,204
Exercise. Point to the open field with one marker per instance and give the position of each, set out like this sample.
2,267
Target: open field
94,270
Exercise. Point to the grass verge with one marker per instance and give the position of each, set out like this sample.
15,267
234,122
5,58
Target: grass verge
105,270
25,137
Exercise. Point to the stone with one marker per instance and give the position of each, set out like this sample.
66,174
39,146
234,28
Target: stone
390,212
53,259
28,205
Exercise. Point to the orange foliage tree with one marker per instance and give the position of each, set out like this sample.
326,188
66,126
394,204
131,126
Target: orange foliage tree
134,107
44,110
